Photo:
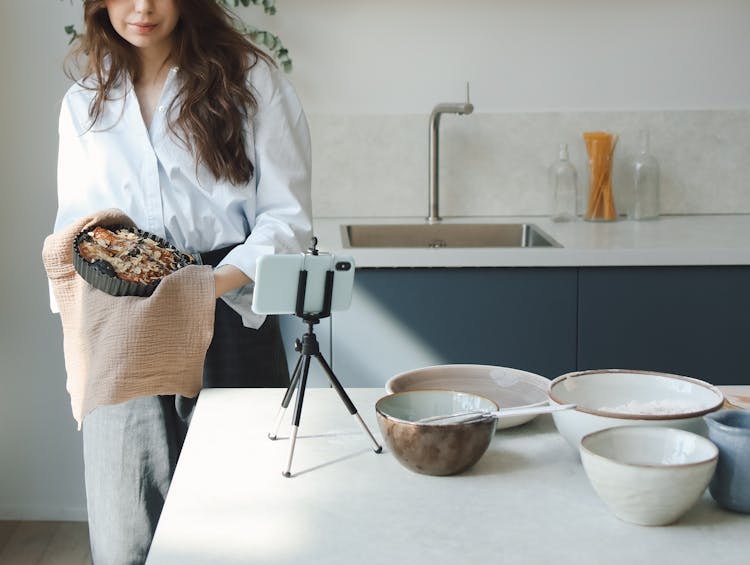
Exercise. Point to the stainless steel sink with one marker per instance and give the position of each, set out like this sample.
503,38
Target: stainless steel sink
445,235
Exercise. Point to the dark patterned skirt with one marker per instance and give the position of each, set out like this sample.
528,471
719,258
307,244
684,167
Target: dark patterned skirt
240,356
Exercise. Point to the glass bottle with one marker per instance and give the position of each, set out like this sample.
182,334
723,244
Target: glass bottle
563,180
646,182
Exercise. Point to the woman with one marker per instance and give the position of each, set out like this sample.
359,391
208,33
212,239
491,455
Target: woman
189,129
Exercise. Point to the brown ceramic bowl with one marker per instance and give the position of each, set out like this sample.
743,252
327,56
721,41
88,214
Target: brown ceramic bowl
430,448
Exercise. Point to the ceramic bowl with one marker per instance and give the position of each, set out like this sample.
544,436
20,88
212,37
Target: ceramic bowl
509,388
730,485
648,475
434,449
615,397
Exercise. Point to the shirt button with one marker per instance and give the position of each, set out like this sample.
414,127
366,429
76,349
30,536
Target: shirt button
161,108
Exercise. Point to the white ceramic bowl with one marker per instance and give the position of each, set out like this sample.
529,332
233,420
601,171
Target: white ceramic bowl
648,476
509,388
615,397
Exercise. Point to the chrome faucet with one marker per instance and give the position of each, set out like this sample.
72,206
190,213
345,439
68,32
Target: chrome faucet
459,108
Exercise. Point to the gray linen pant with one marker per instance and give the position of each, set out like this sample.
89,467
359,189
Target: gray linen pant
130,450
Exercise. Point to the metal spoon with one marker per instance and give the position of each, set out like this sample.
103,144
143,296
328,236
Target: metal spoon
470,416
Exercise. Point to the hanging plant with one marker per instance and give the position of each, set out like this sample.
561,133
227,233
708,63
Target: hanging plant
260,36
263,37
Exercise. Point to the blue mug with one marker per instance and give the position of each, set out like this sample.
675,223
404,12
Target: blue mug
730,485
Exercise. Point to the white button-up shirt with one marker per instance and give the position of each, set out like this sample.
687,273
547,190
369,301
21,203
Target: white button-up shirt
152,177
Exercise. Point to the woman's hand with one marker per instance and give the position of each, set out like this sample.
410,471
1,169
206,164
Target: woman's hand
228,277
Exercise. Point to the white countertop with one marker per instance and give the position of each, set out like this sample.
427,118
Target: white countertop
526,501
669,240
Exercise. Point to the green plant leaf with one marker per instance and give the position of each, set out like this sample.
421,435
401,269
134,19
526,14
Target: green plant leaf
71,31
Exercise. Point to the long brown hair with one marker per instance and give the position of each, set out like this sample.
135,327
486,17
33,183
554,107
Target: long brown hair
214,98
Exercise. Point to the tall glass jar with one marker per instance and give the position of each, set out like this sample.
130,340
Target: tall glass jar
563,180
645,182
600,147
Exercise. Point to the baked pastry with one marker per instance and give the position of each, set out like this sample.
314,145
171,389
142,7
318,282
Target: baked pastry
111,258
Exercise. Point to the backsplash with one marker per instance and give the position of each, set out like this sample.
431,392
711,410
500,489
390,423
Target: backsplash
496,164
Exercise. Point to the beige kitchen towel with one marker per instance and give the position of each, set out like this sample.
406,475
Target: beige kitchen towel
122,347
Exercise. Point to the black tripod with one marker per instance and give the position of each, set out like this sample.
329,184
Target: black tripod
308,347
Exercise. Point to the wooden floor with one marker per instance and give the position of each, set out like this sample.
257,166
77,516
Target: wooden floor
44,543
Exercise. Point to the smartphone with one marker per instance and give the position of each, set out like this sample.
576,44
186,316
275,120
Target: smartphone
277,280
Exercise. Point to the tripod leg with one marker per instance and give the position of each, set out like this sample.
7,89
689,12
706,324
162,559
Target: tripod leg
347,401
297,415
287,398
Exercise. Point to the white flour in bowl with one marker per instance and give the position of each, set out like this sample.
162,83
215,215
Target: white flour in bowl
654,407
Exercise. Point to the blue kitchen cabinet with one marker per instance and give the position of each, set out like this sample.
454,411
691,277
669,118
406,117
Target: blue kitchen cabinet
686,320
691,321
402,319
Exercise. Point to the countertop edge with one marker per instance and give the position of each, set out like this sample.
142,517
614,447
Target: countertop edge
694,240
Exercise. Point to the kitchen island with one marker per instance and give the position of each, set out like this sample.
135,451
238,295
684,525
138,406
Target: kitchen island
526,501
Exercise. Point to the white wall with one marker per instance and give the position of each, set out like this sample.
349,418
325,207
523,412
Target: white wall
356,58
401,57
541,73
40,469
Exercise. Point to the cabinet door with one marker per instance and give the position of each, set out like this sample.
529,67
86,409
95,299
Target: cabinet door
402,319
691,321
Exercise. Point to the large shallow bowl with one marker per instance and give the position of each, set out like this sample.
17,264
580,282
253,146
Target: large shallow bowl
616,397
434,449
648,476
508,388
